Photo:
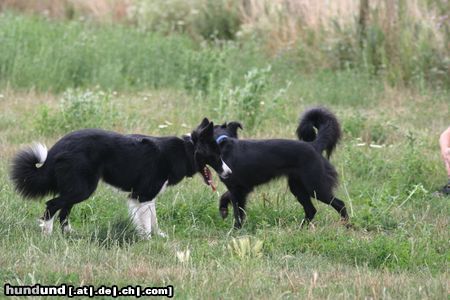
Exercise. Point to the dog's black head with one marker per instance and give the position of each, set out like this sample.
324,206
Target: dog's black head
207,152
227,129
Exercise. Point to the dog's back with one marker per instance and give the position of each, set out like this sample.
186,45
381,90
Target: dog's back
88,153
255,162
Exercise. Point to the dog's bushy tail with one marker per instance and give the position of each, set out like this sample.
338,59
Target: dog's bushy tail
328,129
30,180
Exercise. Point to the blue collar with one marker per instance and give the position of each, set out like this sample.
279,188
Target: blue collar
221,138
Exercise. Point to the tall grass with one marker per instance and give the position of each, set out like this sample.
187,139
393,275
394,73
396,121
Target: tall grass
404,42
37,53
54,56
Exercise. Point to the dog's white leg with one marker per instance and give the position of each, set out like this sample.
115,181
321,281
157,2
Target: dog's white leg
144,217
67,228
140,214
133,206
47,226
159,232
154,220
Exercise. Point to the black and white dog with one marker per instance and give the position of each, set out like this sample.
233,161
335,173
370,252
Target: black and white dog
139,164
255,162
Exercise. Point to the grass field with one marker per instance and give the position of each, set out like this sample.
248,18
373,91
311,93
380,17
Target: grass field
129,81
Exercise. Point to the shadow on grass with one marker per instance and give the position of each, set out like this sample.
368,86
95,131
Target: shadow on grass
120,233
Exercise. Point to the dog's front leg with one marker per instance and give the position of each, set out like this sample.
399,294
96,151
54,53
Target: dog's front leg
224,201
237,218
238,198
143,211
154,220
141,214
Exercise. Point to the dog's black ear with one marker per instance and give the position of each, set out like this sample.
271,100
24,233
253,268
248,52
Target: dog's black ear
194,136
207,132
197,133
204,122
233,127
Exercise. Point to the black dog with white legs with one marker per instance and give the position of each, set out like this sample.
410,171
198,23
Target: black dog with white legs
139,164
255,162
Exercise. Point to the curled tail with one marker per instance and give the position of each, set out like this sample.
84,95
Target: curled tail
328,129
30,180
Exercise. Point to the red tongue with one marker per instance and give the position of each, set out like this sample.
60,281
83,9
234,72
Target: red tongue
208,178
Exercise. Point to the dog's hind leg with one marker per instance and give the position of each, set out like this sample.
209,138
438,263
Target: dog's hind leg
46,222
64,218
324,195
64,203
336,203
303,197
76,182
322,190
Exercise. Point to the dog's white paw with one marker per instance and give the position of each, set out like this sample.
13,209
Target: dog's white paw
46,226
41,223
68,229
145,235
162,234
